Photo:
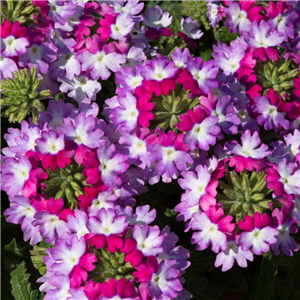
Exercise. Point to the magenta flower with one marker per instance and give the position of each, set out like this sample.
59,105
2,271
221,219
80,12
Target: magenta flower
257,234
201,130
213,229
117,289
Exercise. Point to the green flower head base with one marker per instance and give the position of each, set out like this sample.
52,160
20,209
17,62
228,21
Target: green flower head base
20,96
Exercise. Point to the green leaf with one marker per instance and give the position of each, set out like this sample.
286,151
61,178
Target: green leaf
12,247
21,288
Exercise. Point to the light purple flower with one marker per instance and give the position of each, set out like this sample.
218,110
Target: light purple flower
156,18
107,223
122,27
180,58
190,28
7,67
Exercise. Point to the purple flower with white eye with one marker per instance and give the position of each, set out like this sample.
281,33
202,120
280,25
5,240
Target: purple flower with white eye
180,58
285,226
237,18
67,64
22,141
199,188
213,229
142,216
213,14
293,143
100,59
82,130
121,27
19,176
111,165
156,18
80,87
228,58
38,56
257,234
203,73
165,281
262,38
269,116
190,28
22,211
137,149
105,199
126,114
132,7
200,129
171,154
50,224
60,10
7,67
233,252
107,223
224,109
186,212
128,79
248,155
148,239
134,56
78,223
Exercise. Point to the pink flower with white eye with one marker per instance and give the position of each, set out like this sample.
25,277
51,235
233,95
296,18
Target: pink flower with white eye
257,234
200,188
156,18
249,155
51,149
201,130
116,28
233,252
101,58
13,40
213,229
159,75
285,226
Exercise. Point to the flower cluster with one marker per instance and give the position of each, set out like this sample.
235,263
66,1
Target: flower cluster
227,130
